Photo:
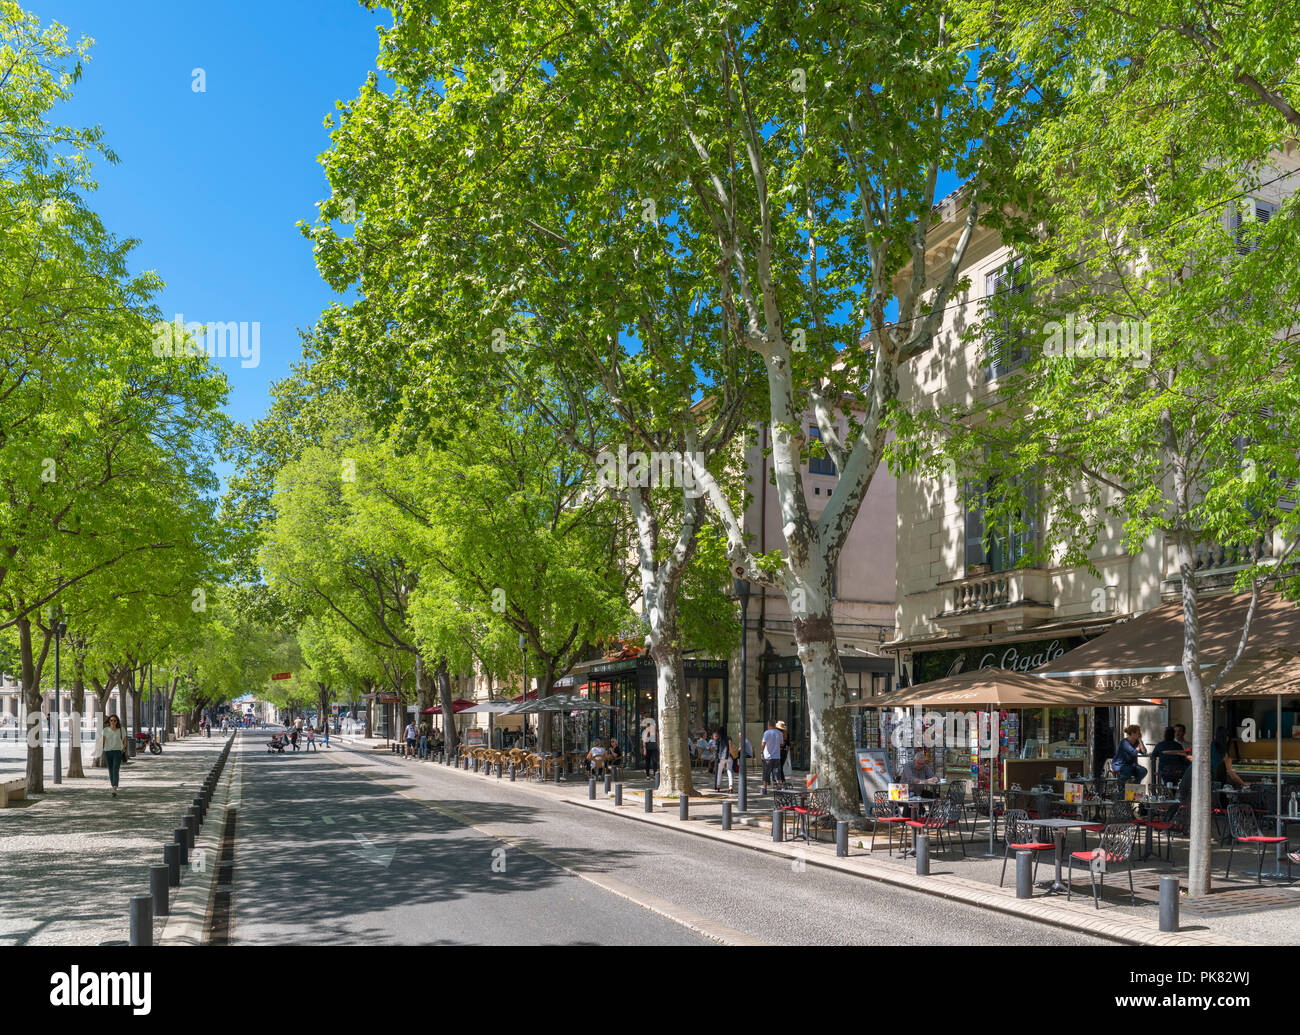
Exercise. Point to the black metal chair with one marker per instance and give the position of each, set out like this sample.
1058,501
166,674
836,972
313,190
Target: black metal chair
936,822
978,808
817,812
1245,828
1116,847
787,804
884,811
1019,830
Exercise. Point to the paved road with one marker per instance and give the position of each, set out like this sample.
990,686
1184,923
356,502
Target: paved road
304,875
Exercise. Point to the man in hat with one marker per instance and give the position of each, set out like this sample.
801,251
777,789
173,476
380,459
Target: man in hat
785,752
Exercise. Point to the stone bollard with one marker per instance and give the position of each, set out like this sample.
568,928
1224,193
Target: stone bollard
1169,903
618,794
778,825
842,838
172,857
591,789
922,856
683,808
1024,875
159,882
141,920
726,815
649,800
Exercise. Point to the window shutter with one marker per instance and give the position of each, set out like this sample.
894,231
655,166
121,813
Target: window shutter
974,526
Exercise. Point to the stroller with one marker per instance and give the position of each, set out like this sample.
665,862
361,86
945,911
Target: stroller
277,743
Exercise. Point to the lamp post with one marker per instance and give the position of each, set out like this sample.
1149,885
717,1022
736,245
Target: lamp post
59,626
742,594
523,695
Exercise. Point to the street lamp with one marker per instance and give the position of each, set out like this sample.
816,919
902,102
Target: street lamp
742,594
59,627
523,716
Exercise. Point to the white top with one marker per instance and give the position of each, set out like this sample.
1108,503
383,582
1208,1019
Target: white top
771,744
597,751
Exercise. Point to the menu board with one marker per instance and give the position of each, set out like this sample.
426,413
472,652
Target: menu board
873,773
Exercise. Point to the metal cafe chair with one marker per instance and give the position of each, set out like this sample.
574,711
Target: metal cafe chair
885,811
936,821
1245,828
1020,838
785,804
1116,847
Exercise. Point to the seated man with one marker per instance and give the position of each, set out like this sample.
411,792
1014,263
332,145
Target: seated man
613,756
703,749
916,774
595,757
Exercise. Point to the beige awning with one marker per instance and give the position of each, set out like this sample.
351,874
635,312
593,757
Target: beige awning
1266,672
990,686
1132,657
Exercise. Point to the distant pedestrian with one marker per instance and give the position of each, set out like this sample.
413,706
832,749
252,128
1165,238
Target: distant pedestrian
785,752
327,733
722,744
424,740
112,745
772,756
311,738
293,737
410,739
650,746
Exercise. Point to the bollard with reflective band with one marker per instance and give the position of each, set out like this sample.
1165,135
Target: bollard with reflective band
778,825
159,881
172,857
842,838
1024,875
683,807
922,856
618,794
726,815
1169,903
649,800
141,920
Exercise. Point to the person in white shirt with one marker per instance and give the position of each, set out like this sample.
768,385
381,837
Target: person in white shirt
596,757
772,773
650,746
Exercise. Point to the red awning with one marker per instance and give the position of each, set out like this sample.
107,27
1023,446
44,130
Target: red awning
458,705
532,696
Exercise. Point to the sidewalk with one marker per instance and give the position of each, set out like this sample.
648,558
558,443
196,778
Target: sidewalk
71,858
1237,913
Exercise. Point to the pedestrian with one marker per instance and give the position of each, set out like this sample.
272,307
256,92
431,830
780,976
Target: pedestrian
327,733
410,739
785,752
293,737
771,756
722,745
650,746
424,740
112,745
311,737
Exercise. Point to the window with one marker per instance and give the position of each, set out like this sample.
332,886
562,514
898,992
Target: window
1008,289
1250,210
819,465
1001,551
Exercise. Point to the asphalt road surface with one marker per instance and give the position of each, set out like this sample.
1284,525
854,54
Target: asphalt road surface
360,848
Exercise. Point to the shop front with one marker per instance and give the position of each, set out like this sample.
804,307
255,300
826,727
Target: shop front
785,698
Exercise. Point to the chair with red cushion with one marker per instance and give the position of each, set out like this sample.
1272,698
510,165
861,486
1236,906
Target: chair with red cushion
936,823
1161,824
1116,847
1245,829
1020,838
884,811
1114,812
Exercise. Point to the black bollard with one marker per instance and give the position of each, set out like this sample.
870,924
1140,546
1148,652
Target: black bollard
159,880
1024,875
778,825
141,920
200,806
512,772
591,789
189,832
842,838
618,794
922,856
559,767
726,815
1169,903
607,781
172,857
683,808
649,800
501,770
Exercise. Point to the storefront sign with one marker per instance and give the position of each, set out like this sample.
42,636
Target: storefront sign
474,737
1012,658
1021,656
873,773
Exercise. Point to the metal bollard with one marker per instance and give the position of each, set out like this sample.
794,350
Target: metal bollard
559,770
189,832
842,838
1024,875
476,764
778,825
618,794
1169,903
159,881
141,920
683,808
649,800
607,781
512,772
922,856
591,789
501,770
726,815
201,806
172,857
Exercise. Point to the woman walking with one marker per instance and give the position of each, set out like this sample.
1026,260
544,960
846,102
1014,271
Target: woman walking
112,745
725,761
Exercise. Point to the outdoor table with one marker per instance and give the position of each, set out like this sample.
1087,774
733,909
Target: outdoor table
803,794
1058,828
1281,820
1157,803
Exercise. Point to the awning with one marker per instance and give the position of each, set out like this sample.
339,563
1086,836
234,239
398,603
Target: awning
458,705
1267,672
1135,654
989,687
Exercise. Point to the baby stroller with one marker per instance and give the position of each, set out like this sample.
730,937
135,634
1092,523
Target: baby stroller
277,743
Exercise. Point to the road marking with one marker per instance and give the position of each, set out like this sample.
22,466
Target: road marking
327,821
368,852
678,914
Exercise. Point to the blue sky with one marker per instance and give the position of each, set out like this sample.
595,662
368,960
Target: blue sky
213,183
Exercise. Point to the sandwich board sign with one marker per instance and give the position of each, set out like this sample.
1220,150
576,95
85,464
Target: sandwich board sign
873,773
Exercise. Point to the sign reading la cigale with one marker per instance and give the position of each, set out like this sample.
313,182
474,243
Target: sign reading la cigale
1012,659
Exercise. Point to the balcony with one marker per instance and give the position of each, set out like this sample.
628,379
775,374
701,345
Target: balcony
1215,566
1000,601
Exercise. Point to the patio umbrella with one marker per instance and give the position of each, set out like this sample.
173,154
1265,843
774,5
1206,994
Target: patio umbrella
558,703
995,688
489,707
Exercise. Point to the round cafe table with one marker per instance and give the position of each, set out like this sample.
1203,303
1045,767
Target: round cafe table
1277,874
